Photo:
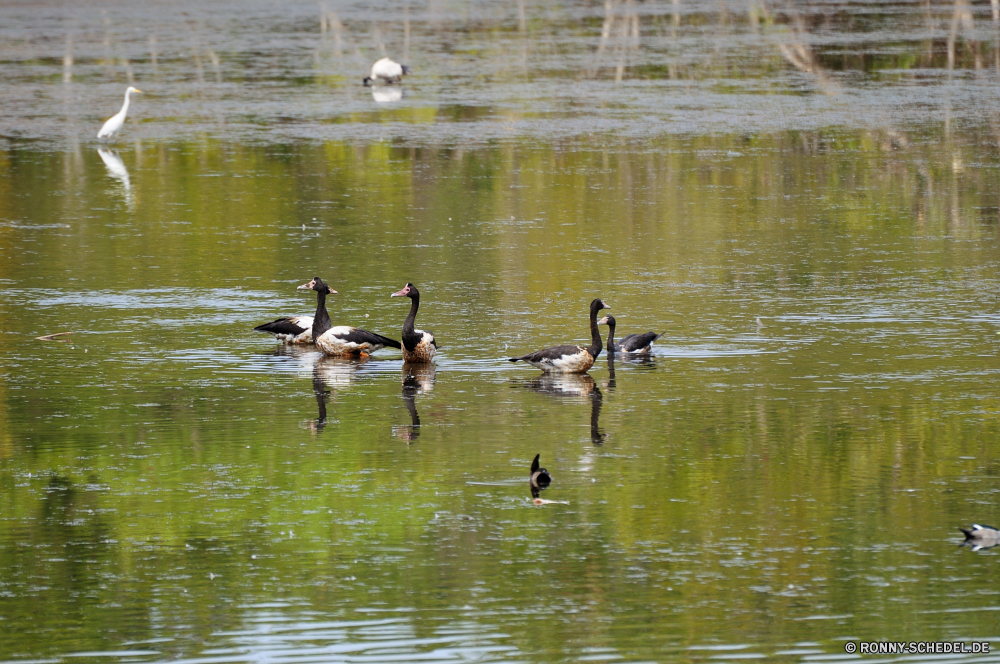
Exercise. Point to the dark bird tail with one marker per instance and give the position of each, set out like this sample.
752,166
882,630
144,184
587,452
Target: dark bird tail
513,359
281,326
386,341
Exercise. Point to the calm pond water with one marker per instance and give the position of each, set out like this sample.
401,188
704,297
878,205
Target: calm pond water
176,487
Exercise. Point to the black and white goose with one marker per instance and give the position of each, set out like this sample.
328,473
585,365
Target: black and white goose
295,329
341,340
418,346
569,358
631,343
386,70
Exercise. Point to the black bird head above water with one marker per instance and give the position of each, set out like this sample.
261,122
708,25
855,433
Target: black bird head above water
539,479
409,290
598,304
609,320
317,285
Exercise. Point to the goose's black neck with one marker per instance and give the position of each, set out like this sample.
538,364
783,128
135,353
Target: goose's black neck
414,305
411,338
595,336
611,336
321,321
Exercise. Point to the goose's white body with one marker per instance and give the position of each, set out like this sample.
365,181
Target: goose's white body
387,69
305,337
567,359
344,340
115,122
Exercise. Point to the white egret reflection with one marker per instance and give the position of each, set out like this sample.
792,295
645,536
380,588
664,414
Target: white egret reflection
116,169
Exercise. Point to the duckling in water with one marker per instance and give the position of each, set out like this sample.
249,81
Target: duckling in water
981,537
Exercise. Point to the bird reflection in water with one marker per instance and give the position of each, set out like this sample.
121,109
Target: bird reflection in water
387,95
573,385
335,373
612,381
417,379
596,401
317,425
116,169
645,361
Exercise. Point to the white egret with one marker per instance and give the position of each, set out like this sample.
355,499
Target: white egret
386,70
115,122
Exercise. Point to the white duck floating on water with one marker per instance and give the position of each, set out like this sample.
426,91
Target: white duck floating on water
387,71
115,122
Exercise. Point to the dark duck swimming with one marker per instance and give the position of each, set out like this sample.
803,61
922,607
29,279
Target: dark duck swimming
539,478
342,340
630,343
569,358
418,346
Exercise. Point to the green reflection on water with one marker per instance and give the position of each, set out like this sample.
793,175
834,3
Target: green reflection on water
165,472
